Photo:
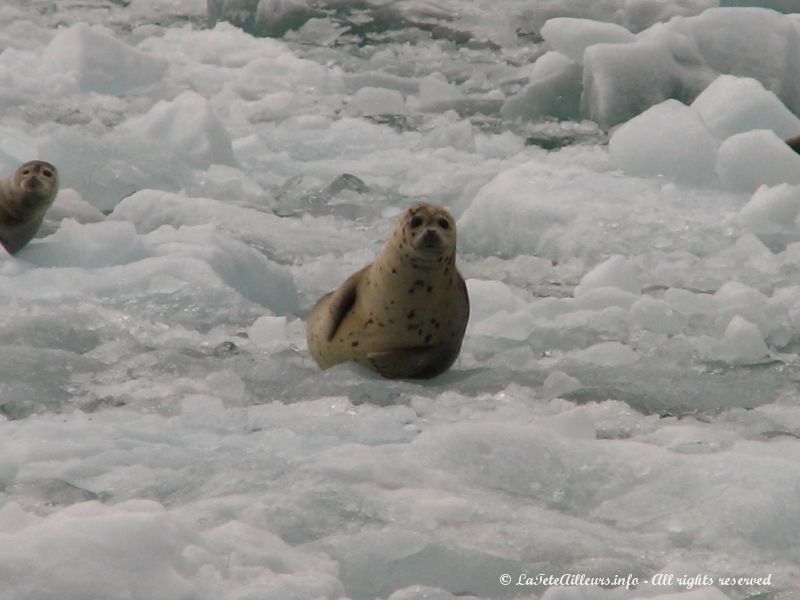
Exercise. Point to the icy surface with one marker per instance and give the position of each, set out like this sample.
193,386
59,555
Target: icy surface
668,139
626,400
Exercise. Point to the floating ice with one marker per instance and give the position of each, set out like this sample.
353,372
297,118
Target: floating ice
437,95
772,212
262,17
107,168
372,101
668,139
742,344
277,333
732,105
554,91
187,126
617,272
98,62
571,36
490,297
623,80
70,204
679,59
748,160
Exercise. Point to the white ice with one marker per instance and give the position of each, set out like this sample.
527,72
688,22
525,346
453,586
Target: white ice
625,402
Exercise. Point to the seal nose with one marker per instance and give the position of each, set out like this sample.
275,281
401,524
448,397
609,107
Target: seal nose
430,239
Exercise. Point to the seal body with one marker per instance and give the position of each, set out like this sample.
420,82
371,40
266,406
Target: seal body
24,199
405,314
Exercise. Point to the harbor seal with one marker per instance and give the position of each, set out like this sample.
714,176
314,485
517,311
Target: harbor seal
24,198
405,314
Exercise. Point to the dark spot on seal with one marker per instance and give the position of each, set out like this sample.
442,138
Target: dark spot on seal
410,314
354,344
430,289
428,338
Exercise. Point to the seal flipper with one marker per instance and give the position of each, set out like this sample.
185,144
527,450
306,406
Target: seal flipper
339,302
407,363
16,240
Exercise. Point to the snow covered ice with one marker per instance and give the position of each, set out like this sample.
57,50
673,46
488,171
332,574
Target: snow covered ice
626,400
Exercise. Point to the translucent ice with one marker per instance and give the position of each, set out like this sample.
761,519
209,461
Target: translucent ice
732,105
669,139
187,126
571,36
617,272
748,160
554,91
772,212
97,61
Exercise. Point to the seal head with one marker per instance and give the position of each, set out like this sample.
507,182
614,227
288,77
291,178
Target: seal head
24,199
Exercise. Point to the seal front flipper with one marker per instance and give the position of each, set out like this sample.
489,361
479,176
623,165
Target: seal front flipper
338,303
407,363
16,239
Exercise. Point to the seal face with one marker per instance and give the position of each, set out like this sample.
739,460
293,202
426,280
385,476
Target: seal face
24,199
405,314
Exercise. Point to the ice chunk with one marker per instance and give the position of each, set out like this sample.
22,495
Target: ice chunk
270,18
606,354
599,298
742,344
622,80
668,139
188,126
656,315
372,101
133,549
490,297
282,239
571,36
617,272
732,105
554,90
248,271
681,58
772,211
458,135
436,94
276,17
98,62
559,383
276,333
107,168
89,246
763,47
747,160
70,204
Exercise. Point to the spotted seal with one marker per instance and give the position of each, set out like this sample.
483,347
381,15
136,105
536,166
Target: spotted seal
405,314
24,198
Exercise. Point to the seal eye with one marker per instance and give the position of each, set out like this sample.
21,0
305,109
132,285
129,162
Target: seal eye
415,222
444,223
26,172
47,173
